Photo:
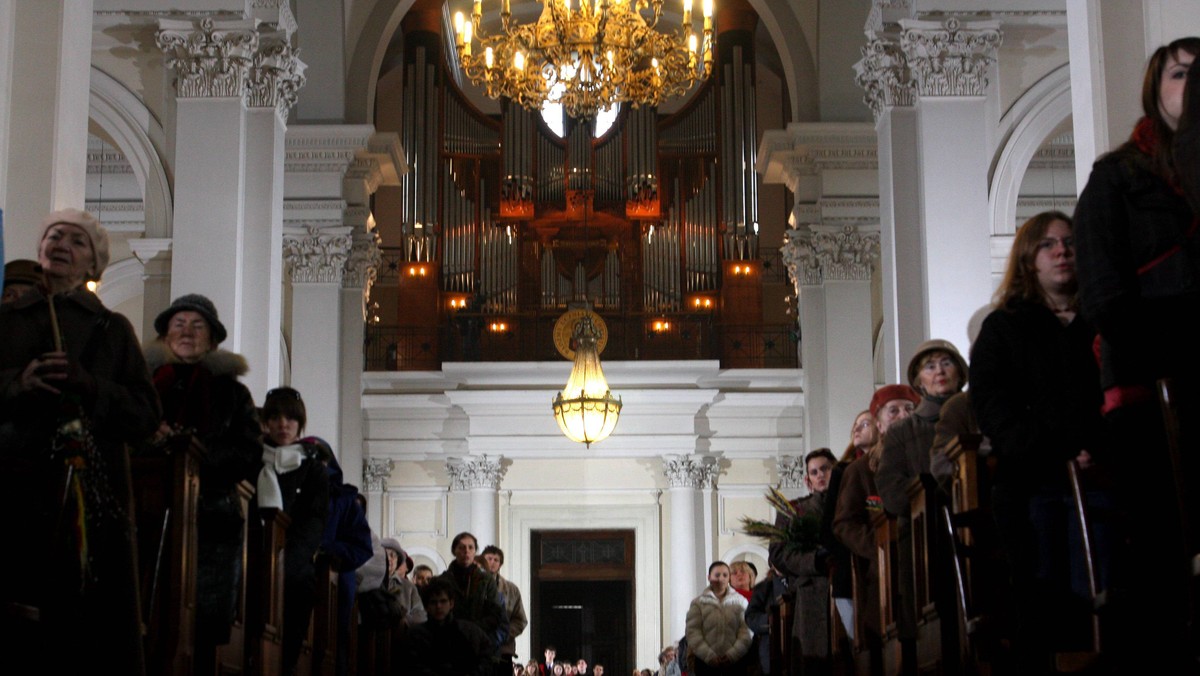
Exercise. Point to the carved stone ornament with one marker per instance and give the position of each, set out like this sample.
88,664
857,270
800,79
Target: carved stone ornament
884,75
363,262
950,58
476,471
275,75
316,257
210,59
814,256
791,470
376,472
690,471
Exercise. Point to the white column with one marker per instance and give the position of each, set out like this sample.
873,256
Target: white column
890,93
831,268
45,66
374,475
928,88
686,476
316,259
210,61
359,275
273,79
479,476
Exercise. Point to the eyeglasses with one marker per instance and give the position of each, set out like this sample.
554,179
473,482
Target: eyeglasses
1048,243
934,364
284,392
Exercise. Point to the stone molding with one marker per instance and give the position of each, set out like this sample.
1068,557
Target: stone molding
690,471
791,469
362,264
951,57
232,58
376,472
476,471
210,58
814,255
884,75
318,255
275,75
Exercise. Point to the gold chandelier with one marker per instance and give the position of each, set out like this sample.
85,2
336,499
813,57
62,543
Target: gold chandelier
588,58
586,410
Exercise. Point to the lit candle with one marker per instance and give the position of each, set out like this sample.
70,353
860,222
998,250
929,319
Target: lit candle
467,30
478,11
687,12
708,11
459,20
519,61
489,58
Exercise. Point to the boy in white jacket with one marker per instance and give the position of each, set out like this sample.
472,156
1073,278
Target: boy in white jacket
717,635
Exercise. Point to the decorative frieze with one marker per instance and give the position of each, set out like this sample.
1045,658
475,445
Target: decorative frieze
275,75
791,469
318,255
376,472
813,255
883,74
690,471
210,58
950,58
476,471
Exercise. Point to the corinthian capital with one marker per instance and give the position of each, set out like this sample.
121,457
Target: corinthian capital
816,254
474,472
275,74
884,75
791,471
950,58
690,471
376,472
318,255
210,58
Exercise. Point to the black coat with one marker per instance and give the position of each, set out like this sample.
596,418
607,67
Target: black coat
1035,389
1130,219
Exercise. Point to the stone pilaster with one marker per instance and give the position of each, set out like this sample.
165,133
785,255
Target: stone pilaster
274,74
690,471
687,476
480,476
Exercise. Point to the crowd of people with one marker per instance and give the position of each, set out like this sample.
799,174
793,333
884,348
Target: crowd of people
1091,315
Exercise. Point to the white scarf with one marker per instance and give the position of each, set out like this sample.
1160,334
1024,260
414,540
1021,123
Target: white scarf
276,461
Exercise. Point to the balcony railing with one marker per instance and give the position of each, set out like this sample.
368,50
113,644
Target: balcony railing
530,338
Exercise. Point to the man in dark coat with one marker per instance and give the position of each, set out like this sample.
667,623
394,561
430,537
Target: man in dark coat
444,645
807,577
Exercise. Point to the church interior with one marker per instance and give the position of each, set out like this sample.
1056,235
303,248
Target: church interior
758,251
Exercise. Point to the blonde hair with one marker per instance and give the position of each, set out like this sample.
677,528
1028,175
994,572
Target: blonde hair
746,567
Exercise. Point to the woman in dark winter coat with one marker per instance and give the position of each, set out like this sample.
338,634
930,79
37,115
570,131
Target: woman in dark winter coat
293,479
67,496
1139,286
1035,390
198,386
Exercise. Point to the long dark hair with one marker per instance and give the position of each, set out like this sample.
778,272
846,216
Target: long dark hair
1020,281
1162,155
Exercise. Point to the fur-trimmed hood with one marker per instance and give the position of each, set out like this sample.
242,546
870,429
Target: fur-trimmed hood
218,362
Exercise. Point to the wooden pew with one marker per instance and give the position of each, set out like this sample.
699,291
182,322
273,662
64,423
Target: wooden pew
231,657
937,625
886,537
167,487
323,627
264,591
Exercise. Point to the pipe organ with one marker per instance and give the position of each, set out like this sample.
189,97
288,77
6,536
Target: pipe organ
641,222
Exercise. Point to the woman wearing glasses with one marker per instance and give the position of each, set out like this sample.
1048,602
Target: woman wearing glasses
198,386
1035,391
293,479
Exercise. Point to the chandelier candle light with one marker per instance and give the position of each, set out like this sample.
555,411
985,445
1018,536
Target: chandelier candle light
587,58
586,410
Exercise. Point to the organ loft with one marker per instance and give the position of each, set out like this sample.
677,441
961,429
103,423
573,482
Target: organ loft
506,221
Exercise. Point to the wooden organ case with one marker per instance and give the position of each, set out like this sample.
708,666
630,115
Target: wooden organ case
502,225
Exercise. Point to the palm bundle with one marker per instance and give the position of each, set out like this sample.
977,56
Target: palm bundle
801,532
